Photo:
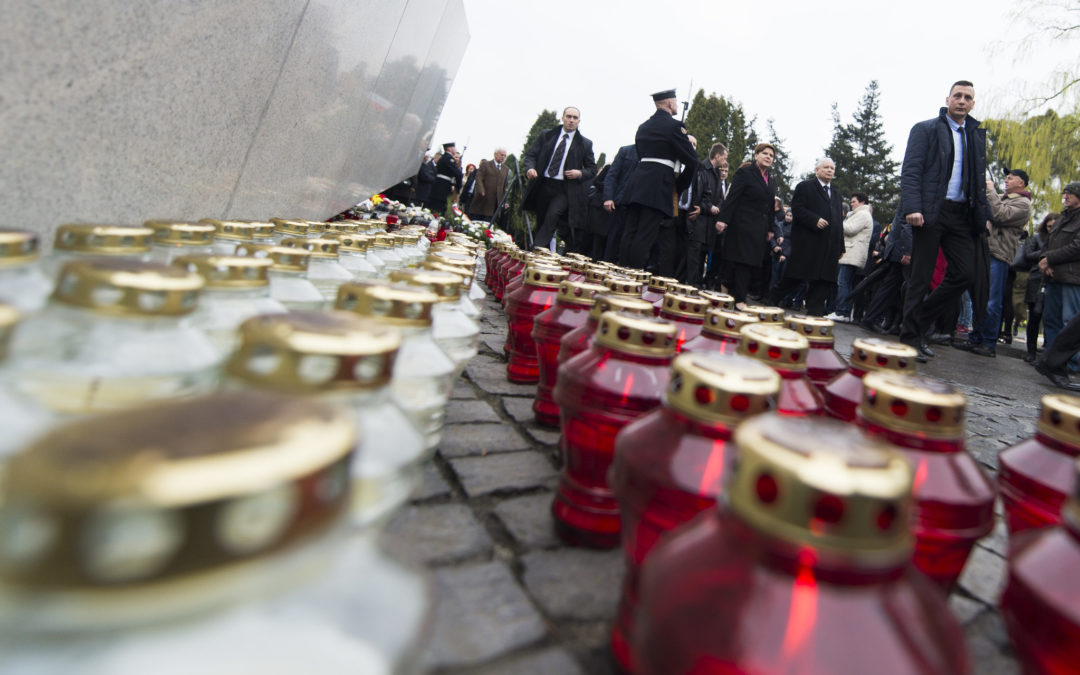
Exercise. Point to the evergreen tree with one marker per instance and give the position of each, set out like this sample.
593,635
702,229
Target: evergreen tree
863,157
781,168
601,161
516,224
717,119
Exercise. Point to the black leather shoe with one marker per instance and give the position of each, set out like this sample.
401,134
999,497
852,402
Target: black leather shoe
922,350
940,339
984,350
964,345
1059,379
1029,357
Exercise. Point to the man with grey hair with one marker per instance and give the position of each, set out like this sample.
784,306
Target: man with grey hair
490,186
817,239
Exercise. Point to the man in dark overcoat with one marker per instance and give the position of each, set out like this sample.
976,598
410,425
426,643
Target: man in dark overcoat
557,165
702,230
817,239
490,186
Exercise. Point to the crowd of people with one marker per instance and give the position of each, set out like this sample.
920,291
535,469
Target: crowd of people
954,265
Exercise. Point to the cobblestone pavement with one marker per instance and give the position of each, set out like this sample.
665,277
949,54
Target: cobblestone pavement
512,598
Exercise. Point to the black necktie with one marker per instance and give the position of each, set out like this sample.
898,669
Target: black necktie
963,161
556,159
828,195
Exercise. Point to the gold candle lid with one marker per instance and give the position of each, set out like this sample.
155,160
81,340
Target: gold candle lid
284,259
608,302
355,243
636,334
578,293
683,289
103,239
1059,418
872,354
727,322
240,230
9,316
677,304
318,248
342,227
454,258
596,274
397,304
774,345
227,271
823,484
127,287
382,240
542,251
765,314
622,285
713,387
297,227
181,233
445,285
451,247
816,329
168,491
913,403
18,247
579,256
642,276
718,300
314,351
543,275
466,276
660,284
578,266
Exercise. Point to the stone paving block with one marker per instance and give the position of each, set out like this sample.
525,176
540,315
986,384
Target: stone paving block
462,390
437,533
594,591
520,408
552,661
480,613
998,540
984,575
529,520
490,375
470,411
459,440
432,484
988,644
543,435
964,608
505,471
495,342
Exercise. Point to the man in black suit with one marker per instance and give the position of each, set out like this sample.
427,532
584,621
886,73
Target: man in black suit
817,239
702,229
447,179
425,178
661,142
557,165
615,182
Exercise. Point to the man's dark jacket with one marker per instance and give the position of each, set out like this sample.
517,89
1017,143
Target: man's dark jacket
579,156
618,176
425,178
815,252
707,189
924,178
448,177
653,184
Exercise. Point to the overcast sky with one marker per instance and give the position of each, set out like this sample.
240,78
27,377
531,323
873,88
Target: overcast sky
784,59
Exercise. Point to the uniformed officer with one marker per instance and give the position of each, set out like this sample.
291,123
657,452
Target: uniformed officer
447,179
661,142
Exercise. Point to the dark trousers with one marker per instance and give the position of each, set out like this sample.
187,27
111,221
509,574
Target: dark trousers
615,235
1064,346
953,234
1034,321
739,276
696,251
642,231
817,292
714,275
553,214
887,295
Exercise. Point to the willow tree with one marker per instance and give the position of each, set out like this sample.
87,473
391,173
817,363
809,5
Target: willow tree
1046,146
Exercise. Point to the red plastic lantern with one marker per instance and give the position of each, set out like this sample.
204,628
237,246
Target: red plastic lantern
843,394
577,270
655,290
507,270
580,339
1036,475
535,295
954,498
547,259
822,361
687,313
720,332
571,310
670,464
620,378
803,568
785,351
1041,603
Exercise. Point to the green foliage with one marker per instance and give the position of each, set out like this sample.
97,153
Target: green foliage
601,161
717,119
515,219
863,157
781,168
1046,146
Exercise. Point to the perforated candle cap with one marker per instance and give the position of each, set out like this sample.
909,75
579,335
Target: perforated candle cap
765,314
318,248
578,293
354,243
342,227
297,227
452,258
711,387
579,256
727,323
127,287
609,302
622,285
283,258
199,484
1059,418
873,354
683,289
18,247
240,230
718,300
636,334
464,275
445,285
314,351
227,271
181,233
396,304
823,484
913,404
544,275
596,274
774,345
103,239
816,329
677,304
